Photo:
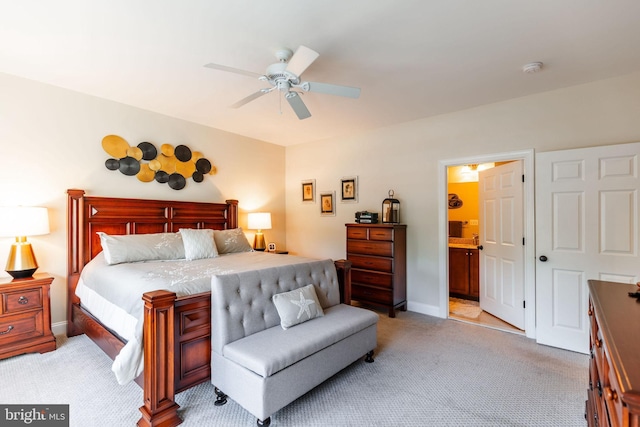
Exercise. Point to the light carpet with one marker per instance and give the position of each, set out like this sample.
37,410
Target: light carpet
427,372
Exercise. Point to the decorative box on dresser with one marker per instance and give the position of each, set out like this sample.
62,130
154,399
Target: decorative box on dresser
379,264
613,396
25,316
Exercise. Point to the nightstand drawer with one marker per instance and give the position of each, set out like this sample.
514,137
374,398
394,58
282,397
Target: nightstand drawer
371,278
372,263
21,326
22,300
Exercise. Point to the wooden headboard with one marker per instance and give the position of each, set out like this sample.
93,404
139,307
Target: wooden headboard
88,215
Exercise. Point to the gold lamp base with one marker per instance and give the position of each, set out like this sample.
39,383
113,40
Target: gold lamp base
258,242
22,261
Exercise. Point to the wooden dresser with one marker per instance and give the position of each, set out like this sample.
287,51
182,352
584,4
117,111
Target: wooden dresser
613,397
379,272
25,316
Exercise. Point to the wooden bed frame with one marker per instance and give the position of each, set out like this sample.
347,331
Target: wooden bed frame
177,330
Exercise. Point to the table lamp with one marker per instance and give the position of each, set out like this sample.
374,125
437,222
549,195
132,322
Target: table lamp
20,222
259,221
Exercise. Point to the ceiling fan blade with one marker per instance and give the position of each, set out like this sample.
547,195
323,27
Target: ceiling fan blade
350,92
298,106
301,59
250,98
232,70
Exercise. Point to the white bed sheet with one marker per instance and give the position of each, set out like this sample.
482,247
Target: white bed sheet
113,293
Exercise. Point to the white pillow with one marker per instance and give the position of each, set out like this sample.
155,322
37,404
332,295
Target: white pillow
297,306
231,241
198,244
141,247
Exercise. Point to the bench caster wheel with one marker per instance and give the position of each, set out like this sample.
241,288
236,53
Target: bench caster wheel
221,398
264,423
369,357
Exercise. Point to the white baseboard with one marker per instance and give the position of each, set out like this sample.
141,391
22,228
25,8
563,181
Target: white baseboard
429,310
59,328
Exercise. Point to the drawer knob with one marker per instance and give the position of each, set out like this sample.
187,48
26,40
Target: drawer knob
7,331
23,300
610,394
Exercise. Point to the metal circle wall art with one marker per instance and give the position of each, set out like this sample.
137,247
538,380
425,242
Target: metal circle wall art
170,165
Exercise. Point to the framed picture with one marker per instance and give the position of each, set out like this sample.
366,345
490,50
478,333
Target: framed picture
349,187
327,203
309,191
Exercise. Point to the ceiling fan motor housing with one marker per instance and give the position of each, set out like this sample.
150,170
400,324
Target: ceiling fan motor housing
277,72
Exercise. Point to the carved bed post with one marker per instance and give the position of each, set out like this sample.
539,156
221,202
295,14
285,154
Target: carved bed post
343,268
159,408
74,258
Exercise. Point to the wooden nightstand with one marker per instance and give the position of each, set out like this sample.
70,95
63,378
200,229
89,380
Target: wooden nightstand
25,316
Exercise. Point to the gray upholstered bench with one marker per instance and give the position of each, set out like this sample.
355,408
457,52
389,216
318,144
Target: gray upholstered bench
264,367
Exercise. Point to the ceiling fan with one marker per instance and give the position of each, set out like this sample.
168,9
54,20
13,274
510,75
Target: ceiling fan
284,76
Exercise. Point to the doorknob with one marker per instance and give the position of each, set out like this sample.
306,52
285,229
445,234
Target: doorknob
480,247
543,258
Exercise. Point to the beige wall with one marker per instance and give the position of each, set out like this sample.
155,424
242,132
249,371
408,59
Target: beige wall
405,158
50,141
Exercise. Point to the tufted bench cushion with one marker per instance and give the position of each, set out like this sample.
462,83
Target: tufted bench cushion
286,347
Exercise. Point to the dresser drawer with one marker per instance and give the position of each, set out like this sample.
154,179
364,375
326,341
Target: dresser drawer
385,234
365,293
360,233
370,248
372,263
17,301
371,278
370,233
21,326
611,394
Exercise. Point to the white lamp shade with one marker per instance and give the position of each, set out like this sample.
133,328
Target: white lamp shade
23,221
259,221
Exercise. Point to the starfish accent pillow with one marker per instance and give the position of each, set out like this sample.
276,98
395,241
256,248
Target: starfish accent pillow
297,306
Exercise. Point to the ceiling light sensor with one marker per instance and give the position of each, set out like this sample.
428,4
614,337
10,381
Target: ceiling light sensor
532,67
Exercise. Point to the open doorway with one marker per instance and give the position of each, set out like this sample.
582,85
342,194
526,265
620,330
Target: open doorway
465,192
464,243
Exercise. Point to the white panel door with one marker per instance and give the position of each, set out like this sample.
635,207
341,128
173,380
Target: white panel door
500,195
586,228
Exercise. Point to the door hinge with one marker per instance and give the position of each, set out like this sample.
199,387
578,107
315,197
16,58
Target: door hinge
523,241
524,304
522,177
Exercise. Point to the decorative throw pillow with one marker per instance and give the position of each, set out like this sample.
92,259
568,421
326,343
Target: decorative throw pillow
198,244
141,247
231,241
297,306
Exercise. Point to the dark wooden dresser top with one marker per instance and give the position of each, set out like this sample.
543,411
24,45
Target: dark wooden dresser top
618,317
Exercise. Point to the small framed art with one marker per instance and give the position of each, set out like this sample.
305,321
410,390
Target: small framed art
309,191
349,191
327,203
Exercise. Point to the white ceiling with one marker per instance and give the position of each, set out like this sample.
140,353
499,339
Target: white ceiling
411,58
